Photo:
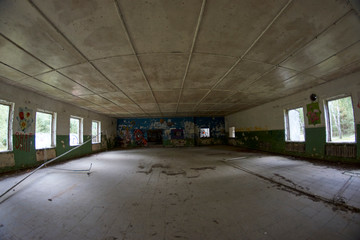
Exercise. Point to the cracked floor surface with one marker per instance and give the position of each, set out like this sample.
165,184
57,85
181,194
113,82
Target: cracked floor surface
183,193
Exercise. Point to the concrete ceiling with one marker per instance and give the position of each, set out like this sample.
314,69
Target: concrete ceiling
158,58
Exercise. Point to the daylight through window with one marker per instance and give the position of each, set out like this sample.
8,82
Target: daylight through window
205,132
44,130
75,131
340,123
96,132
232,132
294,125
4,127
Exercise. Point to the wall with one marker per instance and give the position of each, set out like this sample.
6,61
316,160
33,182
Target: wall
24,154
177,131
262,127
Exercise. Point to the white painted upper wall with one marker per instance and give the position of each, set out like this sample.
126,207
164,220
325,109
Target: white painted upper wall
33,101
270,116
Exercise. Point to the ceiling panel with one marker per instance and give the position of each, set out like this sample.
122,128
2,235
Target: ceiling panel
274,77
15,57
299,24
35,35
185,107
168,107
193,95
162,58
243,75
216,96
161,26
167,96
230,27
205,70
341,35
124,72
59,81
343,58
89,77
142,96
10,73
164,71
93,26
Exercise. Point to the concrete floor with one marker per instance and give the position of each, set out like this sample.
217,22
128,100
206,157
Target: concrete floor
183,193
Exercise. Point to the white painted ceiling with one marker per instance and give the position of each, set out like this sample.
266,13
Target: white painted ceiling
158,58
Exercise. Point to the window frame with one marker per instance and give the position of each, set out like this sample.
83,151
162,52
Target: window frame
53,128
98,137
10,124
327,119
232,132
287,124
81,132
201,130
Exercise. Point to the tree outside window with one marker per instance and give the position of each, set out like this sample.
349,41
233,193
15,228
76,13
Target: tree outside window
43,130
4,127
340,120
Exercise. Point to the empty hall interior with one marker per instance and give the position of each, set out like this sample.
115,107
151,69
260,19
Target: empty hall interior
179,119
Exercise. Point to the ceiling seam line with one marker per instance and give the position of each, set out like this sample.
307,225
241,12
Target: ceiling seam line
243,55
73,45
316,36
27,52
298,50
134,53
199,20
337,53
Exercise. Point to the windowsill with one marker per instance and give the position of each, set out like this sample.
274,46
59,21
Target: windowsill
341,143
294,141
96,142
47,148
7,151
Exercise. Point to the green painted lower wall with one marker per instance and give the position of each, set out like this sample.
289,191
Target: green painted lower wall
24,152
274,141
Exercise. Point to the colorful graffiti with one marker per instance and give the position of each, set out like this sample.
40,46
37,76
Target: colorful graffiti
177,134
139,138
313,113
23,141
25,119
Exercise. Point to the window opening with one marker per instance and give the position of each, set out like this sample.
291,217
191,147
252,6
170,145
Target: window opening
340,124
295,125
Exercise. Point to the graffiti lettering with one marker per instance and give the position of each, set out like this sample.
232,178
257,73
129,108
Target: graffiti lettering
23,141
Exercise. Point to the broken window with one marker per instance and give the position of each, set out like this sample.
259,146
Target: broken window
76,127
294,125
232,132
45,130
340,124
96,131
6,112
204,132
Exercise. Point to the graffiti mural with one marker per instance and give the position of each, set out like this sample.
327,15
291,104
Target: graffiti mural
139,138
25,119
23,141
24,135
177,134
313,113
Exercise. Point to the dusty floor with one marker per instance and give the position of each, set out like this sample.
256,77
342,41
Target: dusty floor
183,193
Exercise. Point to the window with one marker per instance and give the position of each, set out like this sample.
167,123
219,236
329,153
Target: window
6,113
340,124
204,132
232,132
96,132
294,125
76,129
45,130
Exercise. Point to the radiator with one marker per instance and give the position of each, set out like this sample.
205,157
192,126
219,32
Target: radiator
295,147
341,150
